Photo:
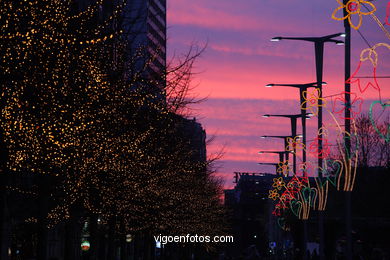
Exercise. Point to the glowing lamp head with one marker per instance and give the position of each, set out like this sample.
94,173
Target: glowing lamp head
129,238
261,152
276,39
339,43
269,85
343,35
263,136
266,115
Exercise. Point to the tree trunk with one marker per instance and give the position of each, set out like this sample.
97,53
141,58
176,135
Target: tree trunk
94,239
68,236
111,238
3,184
43,208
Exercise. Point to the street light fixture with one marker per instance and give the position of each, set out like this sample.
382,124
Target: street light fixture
307,85
319,43
319,60
302,88
280,153
284,137
276,39
293,119
308,115
327,38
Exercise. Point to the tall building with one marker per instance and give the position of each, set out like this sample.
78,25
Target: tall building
250,212
195,136
144,22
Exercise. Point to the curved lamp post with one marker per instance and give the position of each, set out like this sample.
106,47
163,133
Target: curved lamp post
319,43
302,88
293,120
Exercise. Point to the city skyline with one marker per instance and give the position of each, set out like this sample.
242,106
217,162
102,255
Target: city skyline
240,60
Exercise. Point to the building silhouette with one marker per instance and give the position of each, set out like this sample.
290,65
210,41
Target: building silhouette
144,23
250,212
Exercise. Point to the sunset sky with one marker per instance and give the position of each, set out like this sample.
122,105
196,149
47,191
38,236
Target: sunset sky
240,60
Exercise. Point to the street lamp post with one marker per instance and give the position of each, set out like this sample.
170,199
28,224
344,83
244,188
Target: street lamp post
293,120
302,89
347,88
281,156
319,60
284,137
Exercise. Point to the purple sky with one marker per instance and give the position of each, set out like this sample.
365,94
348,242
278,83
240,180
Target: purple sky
240,60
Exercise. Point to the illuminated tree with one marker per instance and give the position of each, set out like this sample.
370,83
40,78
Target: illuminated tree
77,106
52,82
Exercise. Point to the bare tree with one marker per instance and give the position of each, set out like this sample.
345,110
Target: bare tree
373,149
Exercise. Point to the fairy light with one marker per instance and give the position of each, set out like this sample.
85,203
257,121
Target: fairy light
353,7
311,101
371,55
283,168
292,196
294,144
340,173
112,141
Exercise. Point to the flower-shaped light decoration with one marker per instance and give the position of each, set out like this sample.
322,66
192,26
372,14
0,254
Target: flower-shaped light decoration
278,183
304,181
286,197
278,209
315,150
373,82
273,194
276,212
293,186
305,167
296,184
340,105
354,7
294,144
281,205
387,21
283,168
311,101
371,55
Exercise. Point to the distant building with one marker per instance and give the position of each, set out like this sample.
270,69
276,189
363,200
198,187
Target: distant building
143,22
250,211
195,136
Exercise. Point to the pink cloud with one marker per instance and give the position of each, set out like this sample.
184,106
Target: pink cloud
198,15
240,60
228,15
274,51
